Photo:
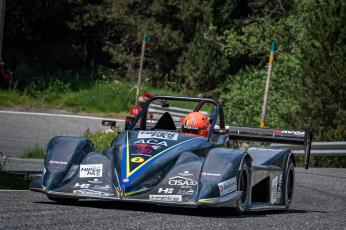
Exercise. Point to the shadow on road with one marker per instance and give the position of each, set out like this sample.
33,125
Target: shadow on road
202,212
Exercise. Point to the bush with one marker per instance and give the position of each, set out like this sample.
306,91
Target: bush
242,96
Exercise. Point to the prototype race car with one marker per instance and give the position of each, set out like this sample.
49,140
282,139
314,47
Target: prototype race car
153,161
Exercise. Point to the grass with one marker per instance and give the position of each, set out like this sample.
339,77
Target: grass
15,97
36,153
9,181
102,97
101,140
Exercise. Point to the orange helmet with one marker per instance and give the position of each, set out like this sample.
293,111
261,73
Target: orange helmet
196,123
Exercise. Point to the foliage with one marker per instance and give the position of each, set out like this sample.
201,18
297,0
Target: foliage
243,95
101,140
323,103
310,59
113,97
36,153
202,65
8,181
217,48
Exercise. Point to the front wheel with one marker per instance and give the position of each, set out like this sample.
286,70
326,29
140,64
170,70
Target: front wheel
288,182
243,185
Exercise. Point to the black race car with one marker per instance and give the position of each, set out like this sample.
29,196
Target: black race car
153,161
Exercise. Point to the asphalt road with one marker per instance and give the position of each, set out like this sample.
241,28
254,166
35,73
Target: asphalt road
24,131
319,203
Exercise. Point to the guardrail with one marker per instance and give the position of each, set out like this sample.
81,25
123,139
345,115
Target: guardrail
336,148
21,165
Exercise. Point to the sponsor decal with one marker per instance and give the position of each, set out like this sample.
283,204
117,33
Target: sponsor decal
298,133
181,181
165,190
95,181
210,174
227,186
144,148
90,170
158,134
190,127
185,173
141,155
126,180
186,192
150,143
176,198
130,168
275,195
91,192
57,162
78,185
137,160
106,187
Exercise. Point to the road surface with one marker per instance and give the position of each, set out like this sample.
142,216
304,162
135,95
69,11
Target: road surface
319,203
25,131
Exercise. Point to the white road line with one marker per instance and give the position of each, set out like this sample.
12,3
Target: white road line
58,115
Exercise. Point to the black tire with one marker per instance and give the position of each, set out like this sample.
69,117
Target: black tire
243,185
288,184
63,200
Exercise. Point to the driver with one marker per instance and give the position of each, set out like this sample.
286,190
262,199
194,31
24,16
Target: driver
196,124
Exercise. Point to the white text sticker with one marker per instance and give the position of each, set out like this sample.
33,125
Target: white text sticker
158,134
228,186
177,198
94,170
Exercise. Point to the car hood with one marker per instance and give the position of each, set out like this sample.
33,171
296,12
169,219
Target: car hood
144,158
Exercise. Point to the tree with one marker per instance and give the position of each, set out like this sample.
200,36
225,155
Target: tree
323,96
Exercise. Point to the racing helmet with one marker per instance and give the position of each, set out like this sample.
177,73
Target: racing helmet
196,124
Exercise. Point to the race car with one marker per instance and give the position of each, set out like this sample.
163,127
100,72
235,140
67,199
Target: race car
173,161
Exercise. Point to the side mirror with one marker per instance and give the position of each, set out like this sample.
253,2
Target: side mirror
128,121
110,123
219,131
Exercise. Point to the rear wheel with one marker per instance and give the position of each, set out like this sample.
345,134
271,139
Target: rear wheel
288,182
63,200
243,185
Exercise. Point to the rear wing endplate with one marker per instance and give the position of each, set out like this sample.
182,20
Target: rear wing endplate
295,137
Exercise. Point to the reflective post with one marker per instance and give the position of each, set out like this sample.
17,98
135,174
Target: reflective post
145,39
266,91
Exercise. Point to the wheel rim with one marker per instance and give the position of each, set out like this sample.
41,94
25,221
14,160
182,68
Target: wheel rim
290,185
243,186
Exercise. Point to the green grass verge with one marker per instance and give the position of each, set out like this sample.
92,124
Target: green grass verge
101,97
9,181
36,153
101,140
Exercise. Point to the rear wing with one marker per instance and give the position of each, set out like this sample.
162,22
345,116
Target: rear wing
296,137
